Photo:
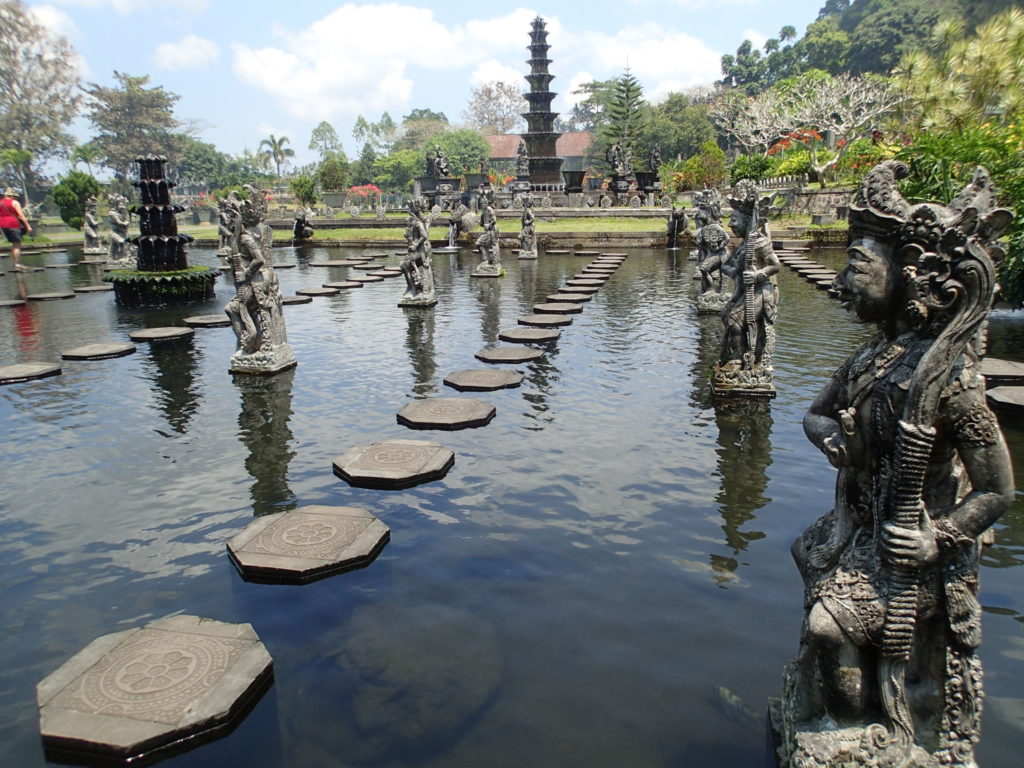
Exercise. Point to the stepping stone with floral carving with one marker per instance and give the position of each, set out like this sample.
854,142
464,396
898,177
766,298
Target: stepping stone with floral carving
544,321
449,413
207,321
169,333
574,298
394,464
558,308
289,300
483,379
508,354
529,335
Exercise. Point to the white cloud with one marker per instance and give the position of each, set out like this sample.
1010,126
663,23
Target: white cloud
54,19
566,100
756,37
181,7
191,52
492,70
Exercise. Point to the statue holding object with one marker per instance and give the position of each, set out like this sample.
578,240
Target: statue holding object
745,364
528,230
416,265
712,243
91,228
522,161
678,223
121,251
888,673
488,242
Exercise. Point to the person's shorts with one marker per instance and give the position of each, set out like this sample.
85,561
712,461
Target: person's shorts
13,235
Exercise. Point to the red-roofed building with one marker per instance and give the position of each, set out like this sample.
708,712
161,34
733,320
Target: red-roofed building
571,147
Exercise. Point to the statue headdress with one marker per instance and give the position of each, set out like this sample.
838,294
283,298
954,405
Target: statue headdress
745,195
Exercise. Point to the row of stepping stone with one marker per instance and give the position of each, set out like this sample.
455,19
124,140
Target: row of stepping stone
818,275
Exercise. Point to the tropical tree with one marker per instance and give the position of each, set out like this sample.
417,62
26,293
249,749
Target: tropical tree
678,126
18,160
324,139
496,107
275,150
70,194
304,189
88,154
625,113
332,174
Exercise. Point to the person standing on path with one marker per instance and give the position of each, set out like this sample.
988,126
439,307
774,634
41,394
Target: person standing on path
13,223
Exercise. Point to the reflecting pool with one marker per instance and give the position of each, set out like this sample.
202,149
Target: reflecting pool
603,578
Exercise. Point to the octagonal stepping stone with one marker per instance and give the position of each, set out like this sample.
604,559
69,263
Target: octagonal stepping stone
12,303
544,320
283,266
556,251
51,296
394,464
290,300
101,288
223,268
601,277
999,372
28,268
343,285
508,354
483,379
321,291
528,335
570,297
132,693
604,268
589,290
584,282
307,543
488,274
366,279
207,321
449,413
824,284
615,255
378,256
101,350
12,374
337,263
385,273
1006,398
168,333
586,253
557,308
367,266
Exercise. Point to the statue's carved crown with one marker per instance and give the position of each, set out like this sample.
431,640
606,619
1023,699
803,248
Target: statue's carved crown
745,196
253,210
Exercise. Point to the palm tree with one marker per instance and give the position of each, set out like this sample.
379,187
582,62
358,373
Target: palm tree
87,154
19,160
277,151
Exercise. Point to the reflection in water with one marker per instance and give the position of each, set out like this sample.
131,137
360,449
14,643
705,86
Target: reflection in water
263,428
419,341
488,296
177,393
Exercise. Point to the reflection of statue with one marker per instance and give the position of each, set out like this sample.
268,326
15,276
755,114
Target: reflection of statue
301,228
527,231
255,310
91,228
442,165
888,672
616,159
654,161
488,244
522,161
419,276
121,252
677,224
264,430
712,243
745,364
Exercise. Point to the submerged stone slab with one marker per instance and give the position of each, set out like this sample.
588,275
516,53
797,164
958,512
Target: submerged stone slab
586,253
589,290
367,266
529,335
365,279
98,351
557,308
101,288
385,273
575,298
1006,398
584,282
13,374
508,354
394,464
998,372
544,321
130,694
343,285
321,291
483,379
51,296
12,303
307,543
446,413
207,321
168,333
615,255
283,266
288,300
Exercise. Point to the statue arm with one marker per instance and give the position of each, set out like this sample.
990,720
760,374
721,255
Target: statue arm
730,264
821,426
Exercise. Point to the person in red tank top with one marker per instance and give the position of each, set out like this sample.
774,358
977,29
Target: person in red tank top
12,220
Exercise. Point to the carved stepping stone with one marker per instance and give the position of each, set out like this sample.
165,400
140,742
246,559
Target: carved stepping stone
389,270
99,351
570,297
343,285
207,321
599,269
1006,398
337,263
584,282
307,543
1001,372
615,255
367,266
394,464
556,251
592,275
172,682
384,273
544,320
588,290
824,284
483,379
51,296
317,291
529,335
12,374
558,308
12,303
289,300
446,413
169,333
585,253
283,266
381,256
102,288
485,274
508,354
365,279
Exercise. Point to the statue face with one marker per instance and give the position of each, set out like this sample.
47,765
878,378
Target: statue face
739,223
867,284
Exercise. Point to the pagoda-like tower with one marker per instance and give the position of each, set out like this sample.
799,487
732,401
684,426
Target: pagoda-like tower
540,138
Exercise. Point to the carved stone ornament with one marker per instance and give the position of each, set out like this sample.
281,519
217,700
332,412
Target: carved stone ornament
528,230
488,242
416,265
91,229
888,673
712,243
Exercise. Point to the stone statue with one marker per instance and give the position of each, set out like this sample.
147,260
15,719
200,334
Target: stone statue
301,228
419,276
522,161
528,230
456,223
442,165
255,310
712,243
488,242
616,159
627,161
91,228
888,673
121,252
677,224
654,161
224,225
745,363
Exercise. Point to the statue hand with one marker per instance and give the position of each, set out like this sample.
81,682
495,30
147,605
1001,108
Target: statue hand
911,547
750,276
834,447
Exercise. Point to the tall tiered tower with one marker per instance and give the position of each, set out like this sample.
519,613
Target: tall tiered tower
540,138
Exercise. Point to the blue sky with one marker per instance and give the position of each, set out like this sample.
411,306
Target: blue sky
246,70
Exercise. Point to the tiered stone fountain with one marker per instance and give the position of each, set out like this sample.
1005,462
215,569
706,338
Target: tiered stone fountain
162,274
540,138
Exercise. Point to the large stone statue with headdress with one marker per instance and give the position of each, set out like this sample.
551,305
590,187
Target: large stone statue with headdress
745,363
528,229
888,674
120,250
91,228
712,243
488,242
522,161
255,310
416,266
